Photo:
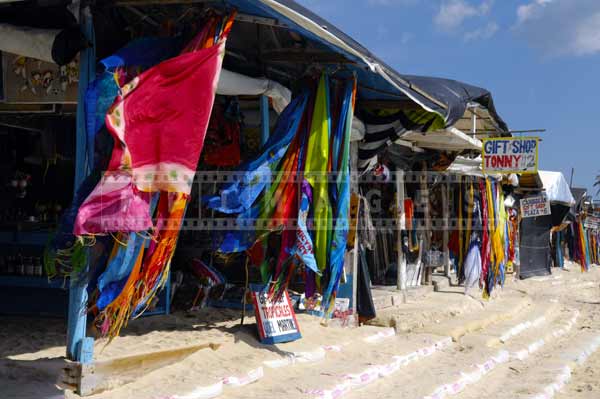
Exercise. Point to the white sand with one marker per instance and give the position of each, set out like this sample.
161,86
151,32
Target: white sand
31,351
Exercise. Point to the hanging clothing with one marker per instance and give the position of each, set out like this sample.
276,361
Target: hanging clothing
472,266
364,298
222,139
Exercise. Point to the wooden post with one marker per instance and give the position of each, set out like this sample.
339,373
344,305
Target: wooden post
80,348
400,226
355,253
355,274
446,238
427,230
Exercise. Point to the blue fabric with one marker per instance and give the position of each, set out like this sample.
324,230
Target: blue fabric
144,52
99,97
559,254
121,265
241,239
241,194
111,291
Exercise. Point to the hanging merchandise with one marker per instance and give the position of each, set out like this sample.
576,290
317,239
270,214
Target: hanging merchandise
158,122
315,173
485,239
310,186
472,266
411,225
497,237
557,247
239,196
583,253
341,193
512,236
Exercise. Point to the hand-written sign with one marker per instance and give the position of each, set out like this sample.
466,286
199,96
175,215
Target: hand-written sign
276,321
510,155
535,206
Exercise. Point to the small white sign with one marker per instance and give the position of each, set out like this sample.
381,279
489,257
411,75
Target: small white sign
535,206
592,223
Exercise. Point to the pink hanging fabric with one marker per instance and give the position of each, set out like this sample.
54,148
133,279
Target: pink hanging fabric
159,123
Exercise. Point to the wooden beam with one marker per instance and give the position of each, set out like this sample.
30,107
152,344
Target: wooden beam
11,108
104,375
157,2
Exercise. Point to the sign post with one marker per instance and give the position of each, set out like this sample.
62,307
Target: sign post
276,321
510,155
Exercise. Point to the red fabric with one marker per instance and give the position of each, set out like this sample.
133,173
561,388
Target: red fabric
167,112
485,241
222,140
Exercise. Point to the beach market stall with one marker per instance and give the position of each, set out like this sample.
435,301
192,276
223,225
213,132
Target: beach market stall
171,76
394,141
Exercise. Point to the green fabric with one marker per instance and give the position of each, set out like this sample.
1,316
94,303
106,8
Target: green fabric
317,158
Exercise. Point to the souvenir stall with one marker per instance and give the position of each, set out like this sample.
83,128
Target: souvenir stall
553,199
264,89
397,159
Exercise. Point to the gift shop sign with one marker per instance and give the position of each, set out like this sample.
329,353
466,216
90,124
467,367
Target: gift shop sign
535,206
276,321
510,155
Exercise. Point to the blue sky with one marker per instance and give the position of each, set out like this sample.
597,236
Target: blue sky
539,58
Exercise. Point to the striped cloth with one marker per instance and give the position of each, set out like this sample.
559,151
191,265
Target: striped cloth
383,130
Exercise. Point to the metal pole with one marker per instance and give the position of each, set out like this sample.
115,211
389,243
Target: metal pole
264,126
572,173
427,229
